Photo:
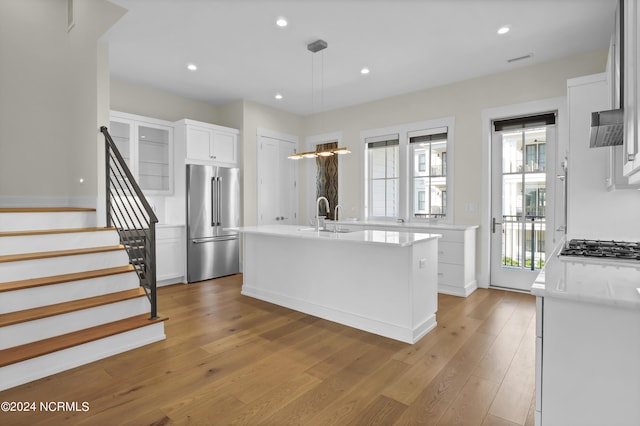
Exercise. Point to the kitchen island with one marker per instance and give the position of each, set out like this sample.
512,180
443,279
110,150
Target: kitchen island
588,342
382,282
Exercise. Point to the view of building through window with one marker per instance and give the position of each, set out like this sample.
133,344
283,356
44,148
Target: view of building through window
384,178
429,155
406,171
524,197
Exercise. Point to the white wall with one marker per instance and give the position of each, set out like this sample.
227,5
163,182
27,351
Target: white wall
464,101
49,103
162,104
260,116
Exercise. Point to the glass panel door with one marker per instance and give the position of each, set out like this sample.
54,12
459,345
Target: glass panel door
518,227
154,165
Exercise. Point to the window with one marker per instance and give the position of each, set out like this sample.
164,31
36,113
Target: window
422,163
407,172
383,176
432,179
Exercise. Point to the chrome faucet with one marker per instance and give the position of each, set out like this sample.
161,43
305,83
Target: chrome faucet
326,203
335,217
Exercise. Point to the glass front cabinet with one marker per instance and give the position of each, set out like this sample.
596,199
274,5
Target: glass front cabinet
146,144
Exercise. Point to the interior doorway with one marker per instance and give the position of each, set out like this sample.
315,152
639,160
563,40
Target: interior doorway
277,181
519,198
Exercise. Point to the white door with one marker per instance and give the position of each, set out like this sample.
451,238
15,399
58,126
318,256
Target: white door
277,188
519,204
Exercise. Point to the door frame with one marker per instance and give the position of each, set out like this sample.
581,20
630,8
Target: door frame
519,278
262,132
554,157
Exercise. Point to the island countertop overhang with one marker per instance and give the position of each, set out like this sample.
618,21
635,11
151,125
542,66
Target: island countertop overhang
387,238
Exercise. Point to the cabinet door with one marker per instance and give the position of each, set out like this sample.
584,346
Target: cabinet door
224,147
169,255
155,155
199,142
122,133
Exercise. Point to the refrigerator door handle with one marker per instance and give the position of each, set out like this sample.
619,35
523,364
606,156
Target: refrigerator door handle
219,213
214,201
213,240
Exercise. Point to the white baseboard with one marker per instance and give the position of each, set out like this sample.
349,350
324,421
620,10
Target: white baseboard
371,325
43,201
458,291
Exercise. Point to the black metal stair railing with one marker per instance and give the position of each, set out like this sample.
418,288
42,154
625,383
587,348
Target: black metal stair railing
129,212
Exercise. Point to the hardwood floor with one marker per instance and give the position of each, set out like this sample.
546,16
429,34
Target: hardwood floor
230,359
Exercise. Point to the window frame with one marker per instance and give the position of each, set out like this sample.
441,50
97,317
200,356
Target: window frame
405,131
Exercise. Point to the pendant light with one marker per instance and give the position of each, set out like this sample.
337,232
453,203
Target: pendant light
315,47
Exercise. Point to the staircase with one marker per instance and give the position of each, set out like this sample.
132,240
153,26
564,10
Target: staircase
68,294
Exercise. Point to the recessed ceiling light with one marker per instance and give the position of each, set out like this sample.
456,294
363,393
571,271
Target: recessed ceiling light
365,71
281,22
192,67
503,30
278,96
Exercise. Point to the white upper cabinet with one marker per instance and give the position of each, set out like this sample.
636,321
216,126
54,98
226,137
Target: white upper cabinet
207,143
146,144
631,157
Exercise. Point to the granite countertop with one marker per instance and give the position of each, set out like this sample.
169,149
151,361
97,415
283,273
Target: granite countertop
608,282
388,238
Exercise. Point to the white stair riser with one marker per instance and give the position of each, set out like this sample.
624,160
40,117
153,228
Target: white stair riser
31,331
26,221
25,269
46,365
51,242
35,297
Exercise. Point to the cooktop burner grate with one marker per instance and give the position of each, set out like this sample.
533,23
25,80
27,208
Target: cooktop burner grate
602,249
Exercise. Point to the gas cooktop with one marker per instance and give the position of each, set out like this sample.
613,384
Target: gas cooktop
602,249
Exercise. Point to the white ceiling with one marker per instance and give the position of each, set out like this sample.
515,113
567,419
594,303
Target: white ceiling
408,45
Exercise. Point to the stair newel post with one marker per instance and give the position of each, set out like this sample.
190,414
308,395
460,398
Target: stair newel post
152,269
107,180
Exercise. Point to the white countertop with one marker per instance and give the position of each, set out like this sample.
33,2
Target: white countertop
608,282
410,225
389,238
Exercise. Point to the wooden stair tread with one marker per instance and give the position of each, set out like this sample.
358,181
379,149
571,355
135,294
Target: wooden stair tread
46,346
11,318
45,209
57,253
58,279
53,231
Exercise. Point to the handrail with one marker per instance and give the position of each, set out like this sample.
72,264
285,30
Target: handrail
128,210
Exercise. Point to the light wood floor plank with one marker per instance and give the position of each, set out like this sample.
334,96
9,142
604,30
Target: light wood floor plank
513,400
471,404
230,359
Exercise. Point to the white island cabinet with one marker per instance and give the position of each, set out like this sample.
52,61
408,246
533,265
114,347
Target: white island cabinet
383,282
588,343
456,251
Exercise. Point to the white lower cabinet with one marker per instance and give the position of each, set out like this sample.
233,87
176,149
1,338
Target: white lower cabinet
456,254
170,264
587,364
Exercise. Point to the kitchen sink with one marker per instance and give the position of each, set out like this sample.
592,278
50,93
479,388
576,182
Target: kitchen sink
339,231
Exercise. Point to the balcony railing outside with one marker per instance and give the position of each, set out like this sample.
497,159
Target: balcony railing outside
523,242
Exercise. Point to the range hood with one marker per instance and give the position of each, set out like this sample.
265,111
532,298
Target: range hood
606,128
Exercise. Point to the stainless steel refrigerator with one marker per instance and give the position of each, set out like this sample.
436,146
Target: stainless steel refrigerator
213,206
